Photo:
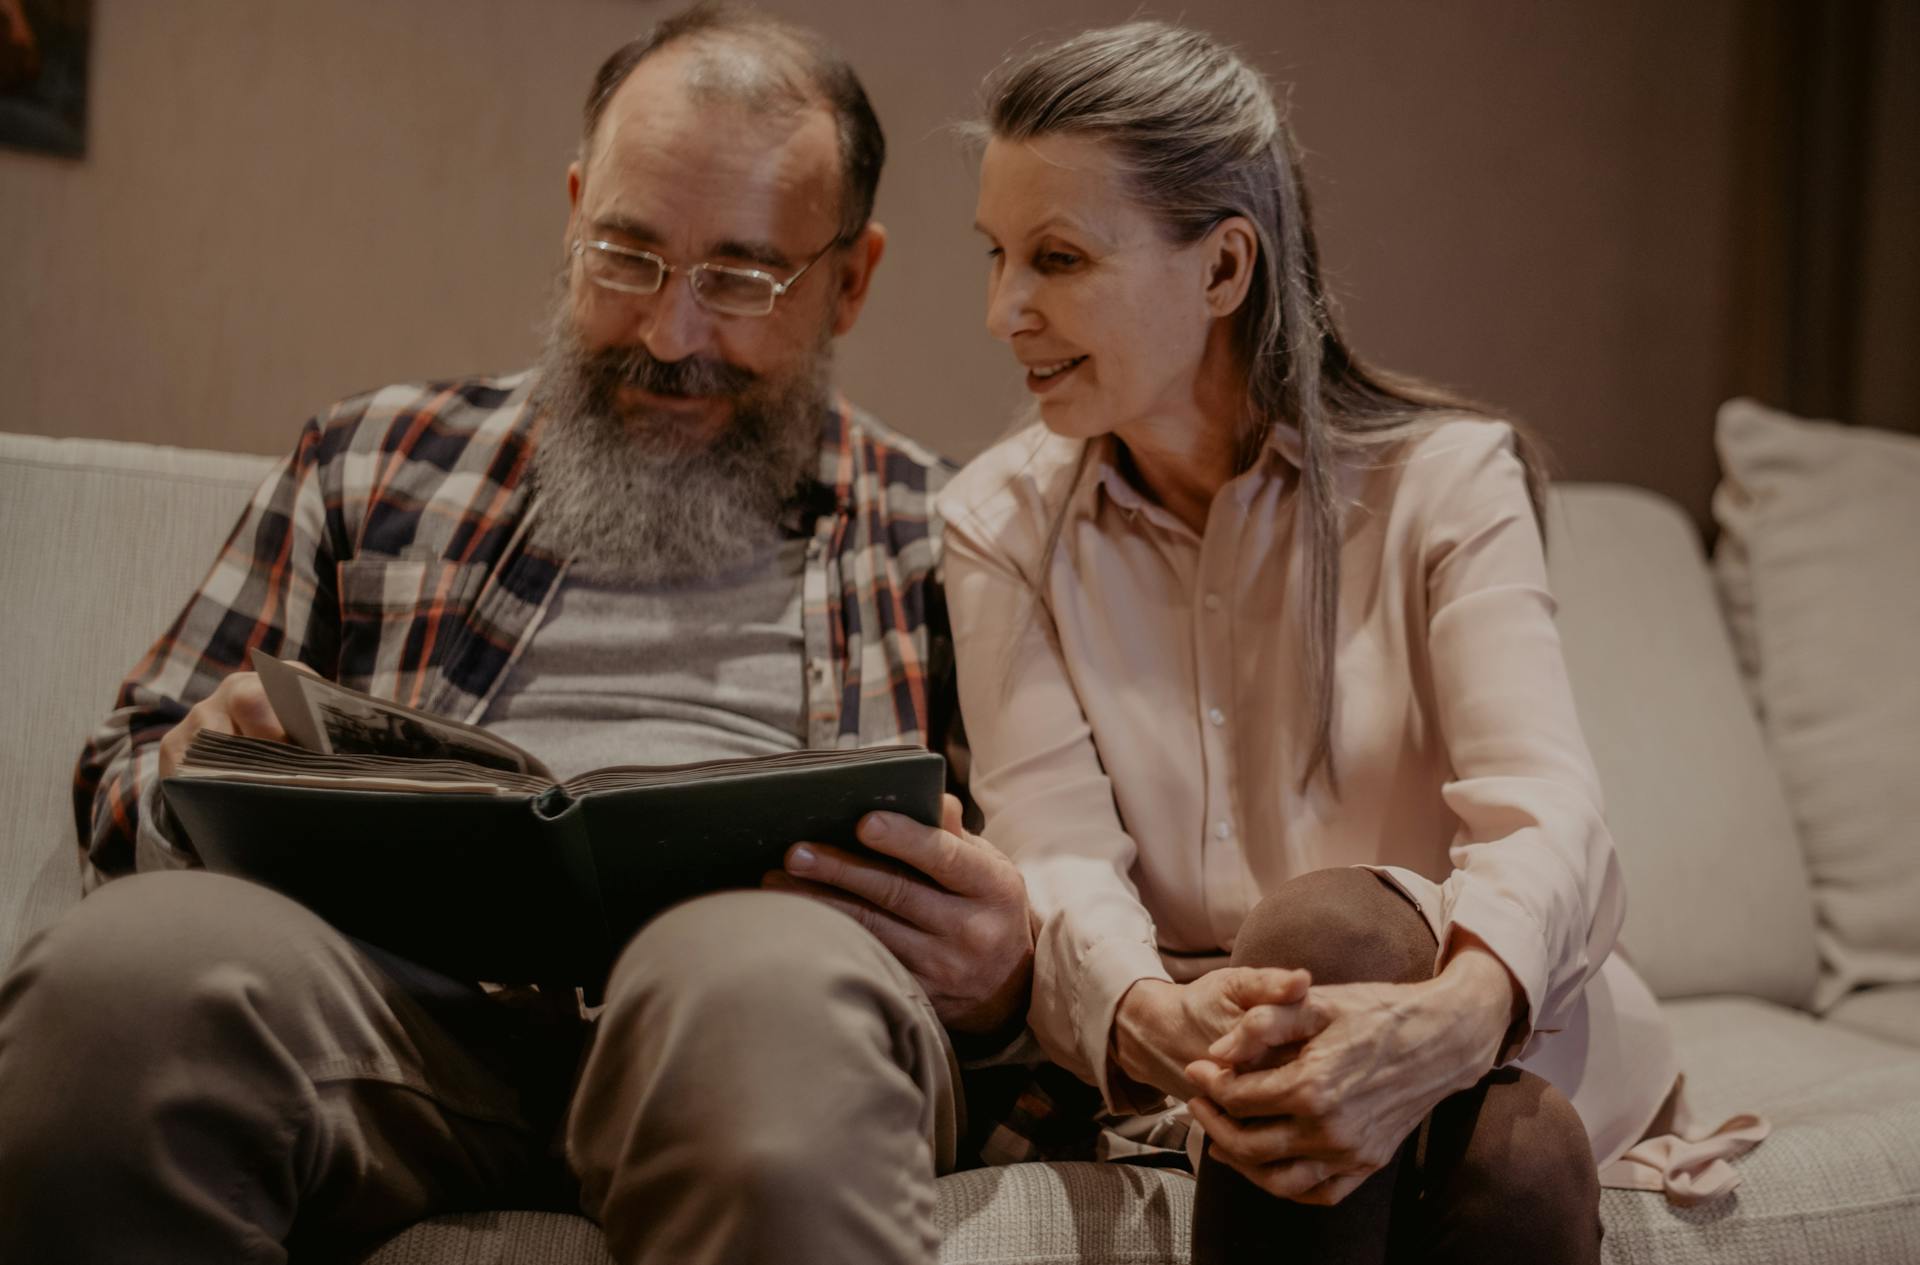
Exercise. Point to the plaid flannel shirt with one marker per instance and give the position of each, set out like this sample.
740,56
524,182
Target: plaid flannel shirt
391,552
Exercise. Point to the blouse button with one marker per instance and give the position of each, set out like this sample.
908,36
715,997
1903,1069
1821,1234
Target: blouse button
1211,601
1221,830
1216,716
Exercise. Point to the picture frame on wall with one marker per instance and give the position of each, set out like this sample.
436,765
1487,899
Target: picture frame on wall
43,75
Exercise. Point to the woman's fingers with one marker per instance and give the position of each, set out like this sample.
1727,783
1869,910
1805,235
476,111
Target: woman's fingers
1289,1090
1267,1026
1274,1155
1262,1140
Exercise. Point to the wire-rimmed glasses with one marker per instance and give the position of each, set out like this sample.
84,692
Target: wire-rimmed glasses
718,287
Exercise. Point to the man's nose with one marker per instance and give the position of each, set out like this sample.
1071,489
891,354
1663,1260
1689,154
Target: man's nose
672,323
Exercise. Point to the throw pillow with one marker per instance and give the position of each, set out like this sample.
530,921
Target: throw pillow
1819,569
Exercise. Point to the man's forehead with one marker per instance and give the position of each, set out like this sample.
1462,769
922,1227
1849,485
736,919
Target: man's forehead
674,145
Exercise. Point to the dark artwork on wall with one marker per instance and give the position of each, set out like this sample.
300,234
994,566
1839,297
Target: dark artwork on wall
43,74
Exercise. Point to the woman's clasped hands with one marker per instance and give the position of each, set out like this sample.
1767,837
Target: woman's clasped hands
1309,1095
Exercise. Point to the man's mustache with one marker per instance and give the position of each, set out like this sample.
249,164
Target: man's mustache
613,367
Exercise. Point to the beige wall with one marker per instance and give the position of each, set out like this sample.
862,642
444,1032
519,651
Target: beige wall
284,202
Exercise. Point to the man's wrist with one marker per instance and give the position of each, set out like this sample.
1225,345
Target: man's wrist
997,1024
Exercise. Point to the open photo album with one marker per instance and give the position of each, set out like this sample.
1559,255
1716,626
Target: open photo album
441,842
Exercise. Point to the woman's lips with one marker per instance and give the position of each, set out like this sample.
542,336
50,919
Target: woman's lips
1045,377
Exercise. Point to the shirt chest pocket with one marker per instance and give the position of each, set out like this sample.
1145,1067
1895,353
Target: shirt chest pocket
399,617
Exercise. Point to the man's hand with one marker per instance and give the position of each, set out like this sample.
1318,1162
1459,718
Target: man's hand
238,706
953,910
1308,1100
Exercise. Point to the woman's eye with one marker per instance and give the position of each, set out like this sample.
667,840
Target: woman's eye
1057,260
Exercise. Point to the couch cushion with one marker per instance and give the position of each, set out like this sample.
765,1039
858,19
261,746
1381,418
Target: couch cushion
497,1238
1034,1214
1839,1179
1821,575
1058,1214
101,544
1717,893
1891,1011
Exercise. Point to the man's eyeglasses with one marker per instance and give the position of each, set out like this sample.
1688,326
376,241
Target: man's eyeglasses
729,291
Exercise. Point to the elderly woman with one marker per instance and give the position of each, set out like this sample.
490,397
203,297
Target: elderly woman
1265,696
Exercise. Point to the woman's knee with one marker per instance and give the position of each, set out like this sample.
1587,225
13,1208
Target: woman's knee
1511,1171
1344,925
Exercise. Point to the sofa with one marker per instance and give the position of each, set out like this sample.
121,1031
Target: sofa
102,540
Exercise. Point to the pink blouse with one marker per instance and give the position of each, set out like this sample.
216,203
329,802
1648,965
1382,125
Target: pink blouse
1138,743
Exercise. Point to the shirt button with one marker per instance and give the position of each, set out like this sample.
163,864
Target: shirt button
1211,601
1221,830
1218,717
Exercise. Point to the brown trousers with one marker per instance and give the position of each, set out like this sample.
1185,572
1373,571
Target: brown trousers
1502,1172
195,1069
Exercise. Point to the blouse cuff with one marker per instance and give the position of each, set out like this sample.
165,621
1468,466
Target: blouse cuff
1511,935
1108,969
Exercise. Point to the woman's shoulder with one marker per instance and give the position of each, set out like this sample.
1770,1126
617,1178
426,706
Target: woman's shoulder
1019,482
1443,465
1456,444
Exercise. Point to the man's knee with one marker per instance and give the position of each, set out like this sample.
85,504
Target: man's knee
791,1007
142,947
775,956
1344,925
111,1018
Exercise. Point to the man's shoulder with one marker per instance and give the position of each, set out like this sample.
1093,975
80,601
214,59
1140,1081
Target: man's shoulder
899,459
437,422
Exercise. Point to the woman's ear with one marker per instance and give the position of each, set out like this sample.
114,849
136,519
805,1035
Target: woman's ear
1229,250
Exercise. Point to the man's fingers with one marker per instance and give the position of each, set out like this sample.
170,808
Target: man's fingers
252,714
952,816
962,865
905,943
906,895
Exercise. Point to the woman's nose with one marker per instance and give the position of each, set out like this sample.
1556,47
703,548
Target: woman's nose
1010,307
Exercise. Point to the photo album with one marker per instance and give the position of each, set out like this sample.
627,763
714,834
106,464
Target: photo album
447,845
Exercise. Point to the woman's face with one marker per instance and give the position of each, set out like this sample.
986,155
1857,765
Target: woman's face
1108,318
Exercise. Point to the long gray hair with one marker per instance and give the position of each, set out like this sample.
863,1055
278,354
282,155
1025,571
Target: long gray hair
1198,138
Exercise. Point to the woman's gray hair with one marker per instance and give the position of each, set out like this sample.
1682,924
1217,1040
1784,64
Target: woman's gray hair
1199,137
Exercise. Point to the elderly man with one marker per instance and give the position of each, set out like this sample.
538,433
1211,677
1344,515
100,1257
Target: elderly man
666,543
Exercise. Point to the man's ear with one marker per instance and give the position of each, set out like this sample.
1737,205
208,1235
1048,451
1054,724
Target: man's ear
858,260
1229,251
576,180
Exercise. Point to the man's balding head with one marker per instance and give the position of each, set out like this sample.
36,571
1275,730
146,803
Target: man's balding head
767,65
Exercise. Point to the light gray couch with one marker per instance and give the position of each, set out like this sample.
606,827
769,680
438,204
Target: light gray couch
99,543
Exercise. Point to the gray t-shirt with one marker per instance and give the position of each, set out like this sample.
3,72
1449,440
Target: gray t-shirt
621,673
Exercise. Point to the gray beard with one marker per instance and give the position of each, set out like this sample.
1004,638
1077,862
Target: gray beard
624,495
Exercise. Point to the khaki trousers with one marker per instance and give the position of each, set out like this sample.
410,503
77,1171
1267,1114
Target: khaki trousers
194,1068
